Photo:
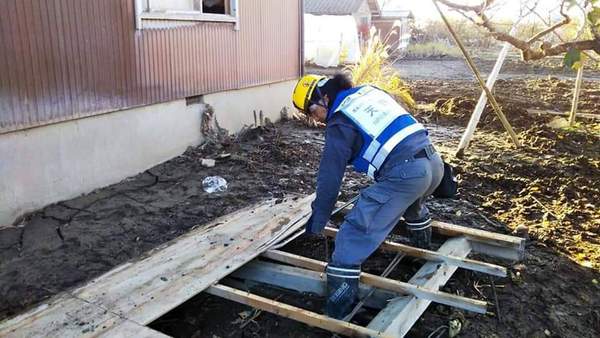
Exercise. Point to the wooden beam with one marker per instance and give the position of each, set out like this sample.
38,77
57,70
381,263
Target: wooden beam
485,242
464,263
302,280
401,314
576,94
384,283
292,312
491,81
488,92
452,230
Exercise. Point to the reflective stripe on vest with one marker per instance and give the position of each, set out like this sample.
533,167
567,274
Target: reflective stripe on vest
383,124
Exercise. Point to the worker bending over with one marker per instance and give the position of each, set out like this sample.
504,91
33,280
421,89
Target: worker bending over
367,128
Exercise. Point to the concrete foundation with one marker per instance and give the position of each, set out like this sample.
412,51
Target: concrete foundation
45,165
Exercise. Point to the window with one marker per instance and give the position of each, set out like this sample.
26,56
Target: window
185,10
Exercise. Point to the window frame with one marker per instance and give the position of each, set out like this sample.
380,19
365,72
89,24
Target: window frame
184,16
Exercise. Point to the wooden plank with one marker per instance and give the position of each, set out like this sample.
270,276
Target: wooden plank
491,81
292,312
385,284
65,316
465,263
152,285
452,230
401,314
493,244
61,316
173,274
576,94
302,280
488,92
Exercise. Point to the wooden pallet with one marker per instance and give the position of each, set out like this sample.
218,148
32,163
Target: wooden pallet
123,301
401,303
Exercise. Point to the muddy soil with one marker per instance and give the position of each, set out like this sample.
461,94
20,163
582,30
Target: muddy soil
455,100
548,190
72,241
550,186
454,69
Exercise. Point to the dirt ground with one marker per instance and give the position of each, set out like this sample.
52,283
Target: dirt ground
457,69
551,186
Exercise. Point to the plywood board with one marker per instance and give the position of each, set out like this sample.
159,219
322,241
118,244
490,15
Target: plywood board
143,290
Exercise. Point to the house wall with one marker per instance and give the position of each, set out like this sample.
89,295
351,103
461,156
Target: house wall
66,59
44,165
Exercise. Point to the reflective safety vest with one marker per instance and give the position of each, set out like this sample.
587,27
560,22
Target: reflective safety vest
382,122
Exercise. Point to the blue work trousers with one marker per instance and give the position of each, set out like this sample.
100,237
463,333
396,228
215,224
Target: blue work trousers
401,189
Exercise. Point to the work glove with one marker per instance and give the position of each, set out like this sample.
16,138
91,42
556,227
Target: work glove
313,228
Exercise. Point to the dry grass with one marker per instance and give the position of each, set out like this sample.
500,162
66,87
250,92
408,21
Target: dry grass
432,50
375,68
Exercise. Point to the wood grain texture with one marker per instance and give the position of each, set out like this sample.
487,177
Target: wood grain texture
401,314
143,290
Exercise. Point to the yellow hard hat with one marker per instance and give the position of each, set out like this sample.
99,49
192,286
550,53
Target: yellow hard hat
304,90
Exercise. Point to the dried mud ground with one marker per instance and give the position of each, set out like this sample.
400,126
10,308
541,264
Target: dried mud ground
551,186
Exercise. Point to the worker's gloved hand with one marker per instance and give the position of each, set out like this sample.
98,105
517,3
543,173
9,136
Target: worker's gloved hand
419,233
314,228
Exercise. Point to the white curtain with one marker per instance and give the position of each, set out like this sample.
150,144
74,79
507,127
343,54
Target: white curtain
330,40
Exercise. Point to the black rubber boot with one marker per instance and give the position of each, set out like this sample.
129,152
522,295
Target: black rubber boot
419,233
342,290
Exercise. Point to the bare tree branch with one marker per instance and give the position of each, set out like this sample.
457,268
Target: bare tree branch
589,55
532,48
565,21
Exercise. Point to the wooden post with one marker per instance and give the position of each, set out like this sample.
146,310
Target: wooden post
576,94
473,67
491,81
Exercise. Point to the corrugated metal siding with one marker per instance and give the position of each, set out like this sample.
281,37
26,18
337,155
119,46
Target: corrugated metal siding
66,59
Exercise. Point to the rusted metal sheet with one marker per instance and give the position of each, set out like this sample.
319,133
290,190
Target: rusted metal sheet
67,59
